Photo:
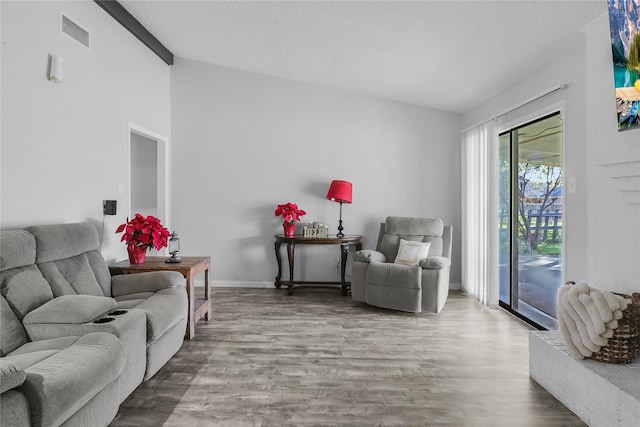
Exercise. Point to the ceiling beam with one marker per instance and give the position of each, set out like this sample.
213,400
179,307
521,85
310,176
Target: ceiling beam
120,14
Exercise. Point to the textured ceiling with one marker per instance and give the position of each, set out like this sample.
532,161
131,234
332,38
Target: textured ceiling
450,55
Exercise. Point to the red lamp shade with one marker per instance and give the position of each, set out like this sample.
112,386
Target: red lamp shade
340,191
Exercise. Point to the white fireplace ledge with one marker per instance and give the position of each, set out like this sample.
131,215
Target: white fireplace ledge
601,394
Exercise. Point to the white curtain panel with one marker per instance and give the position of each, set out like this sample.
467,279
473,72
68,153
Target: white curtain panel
480,213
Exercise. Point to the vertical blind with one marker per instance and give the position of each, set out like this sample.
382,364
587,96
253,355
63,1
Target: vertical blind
480,213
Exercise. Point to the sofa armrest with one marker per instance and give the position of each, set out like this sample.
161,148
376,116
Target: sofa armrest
368,255
151,281
435,263
70,309
10,376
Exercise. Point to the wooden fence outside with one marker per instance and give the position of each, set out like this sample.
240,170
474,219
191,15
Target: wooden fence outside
547,226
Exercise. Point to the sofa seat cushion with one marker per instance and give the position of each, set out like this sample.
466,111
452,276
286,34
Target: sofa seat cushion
163,309
73,309
60,385
132,299
37,351
397,275
150,281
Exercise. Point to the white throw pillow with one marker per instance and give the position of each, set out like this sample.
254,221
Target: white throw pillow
410,253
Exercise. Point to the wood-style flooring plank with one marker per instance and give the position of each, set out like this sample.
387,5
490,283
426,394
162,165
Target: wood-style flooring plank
318,358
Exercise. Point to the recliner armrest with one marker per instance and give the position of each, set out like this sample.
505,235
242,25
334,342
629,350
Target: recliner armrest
435,263
368,255
151,281
10,376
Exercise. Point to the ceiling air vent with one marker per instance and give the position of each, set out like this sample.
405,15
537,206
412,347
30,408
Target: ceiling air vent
74,31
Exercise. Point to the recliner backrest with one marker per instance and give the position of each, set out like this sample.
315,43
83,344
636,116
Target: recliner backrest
21,282
12,333
69,257
414,229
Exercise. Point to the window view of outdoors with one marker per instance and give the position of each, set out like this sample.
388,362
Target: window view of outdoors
531,236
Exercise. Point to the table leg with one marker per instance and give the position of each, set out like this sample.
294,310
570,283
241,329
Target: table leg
191,320
279,260
291,249
343,266
207,290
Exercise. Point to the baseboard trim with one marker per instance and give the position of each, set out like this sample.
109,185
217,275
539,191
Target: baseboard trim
262,284
236,284
455,286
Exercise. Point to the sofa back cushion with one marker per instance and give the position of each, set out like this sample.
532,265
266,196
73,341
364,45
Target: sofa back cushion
12,334
69,257
21,282
411,229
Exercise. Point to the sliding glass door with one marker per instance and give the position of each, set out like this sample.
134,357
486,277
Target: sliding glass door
530,219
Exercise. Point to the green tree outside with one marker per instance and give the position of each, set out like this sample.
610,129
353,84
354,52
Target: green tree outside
541,181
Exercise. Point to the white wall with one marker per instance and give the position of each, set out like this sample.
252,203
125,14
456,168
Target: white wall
64,146
614,222
243,143
602,232
569,69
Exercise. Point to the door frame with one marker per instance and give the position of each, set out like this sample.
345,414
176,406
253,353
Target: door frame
556,107
162,145
538,114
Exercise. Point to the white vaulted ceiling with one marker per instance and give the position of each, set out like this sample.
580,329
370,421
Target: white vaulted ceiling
450,55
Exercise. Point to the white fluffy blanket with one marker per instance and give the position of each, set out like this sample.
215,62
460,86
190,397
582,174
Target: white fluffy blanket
587,317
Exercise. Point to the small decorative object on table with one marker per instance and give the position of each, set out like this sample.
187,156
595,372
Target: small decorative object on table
142,234
315,231
290,217
174,248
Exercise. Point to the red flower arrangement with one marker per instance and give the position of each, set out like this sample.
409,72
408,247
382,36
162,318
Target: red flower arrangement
290,213
144,232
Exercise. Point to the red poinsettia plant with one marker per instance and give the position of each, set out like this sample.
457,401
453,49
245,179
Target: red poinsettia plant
290,213
144,232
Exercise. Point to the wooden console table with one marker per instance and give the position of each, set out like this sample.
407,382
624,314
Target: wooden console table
189,267
291,242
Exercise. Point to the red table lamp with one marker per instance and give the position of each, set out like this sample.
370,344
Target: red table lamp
340,191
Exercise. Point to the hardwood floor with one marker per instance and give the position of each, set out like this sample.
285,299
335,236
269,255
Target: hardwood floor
318,358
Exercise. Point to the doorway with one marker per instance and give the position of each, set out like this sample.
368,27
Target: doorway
148,175
531,219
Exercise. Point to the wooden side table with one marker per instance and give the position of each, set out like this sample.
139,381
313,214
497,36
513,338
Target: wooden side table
189,267
291,242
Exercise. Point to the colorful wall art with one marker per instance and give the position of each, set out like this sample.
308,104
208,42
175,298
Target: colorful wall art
624,22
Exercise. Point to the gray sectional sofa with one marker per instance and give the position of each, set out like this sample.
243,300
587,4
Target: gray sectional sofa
75,342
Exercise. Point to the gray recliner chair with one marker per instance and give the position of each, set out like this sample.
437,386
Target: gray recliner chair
409,280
